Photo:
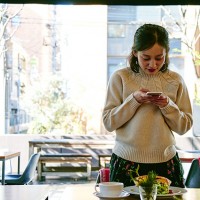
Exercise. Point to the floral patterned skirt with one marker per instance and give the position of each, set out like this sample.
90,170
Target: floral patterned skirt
120,170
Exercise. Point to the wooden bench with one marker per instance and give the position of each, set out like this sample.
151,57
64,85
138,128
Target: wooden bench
72,158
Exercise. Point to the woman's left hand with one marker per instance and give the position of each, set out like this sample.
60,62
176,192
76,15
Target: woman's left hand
160,101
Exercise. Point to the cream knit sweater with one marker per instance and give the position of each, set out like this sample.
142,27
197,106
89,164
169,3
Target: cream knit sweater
144,132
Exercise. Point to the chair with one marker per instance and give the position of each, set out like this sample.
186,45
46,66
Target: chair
193,177
27,176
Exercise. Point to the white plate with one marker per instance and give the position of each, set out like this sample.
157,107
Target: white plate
123,194
175,191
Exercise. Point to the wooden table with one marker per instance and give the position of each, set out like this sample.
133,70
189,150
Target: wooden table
85,192
186,156
24,192
38,144
6,156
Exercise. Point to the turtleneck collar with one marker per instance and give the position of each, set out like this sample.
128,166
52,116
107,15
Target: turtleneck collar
141,72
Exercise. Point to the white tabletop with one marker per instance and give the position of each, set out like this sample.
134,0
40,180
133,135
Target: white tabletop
85,192
24,192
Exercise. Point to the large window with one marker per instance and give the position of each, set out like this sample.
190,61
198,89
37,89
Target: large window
59,60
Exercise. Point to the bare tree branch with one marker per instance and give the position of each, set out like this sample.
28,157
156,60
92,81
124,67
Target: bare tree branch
189,40
4,20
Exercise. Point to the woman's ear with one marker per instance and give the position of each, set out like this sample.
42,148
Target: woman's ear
135,53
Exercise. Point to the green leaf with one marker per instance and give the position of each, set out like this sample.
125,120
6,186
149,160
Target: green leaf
150,181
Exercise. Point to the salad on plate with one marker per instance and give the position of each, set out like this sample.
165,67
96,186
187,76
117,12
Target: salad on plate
151,179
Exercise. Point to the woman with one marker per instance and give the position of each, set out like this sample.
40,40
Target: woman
144,124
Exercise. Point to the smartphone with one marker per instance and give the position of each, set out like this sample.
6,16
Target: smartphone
154,93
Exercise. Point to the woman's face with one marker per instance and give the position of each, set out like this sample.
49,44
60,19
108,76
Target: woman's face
151,60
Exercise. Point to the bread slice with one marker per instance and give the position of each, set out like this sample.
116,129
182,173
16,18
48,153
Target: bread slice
164,180
159,179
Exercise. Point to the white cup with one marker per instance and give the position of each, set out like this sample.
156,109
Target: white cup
110,189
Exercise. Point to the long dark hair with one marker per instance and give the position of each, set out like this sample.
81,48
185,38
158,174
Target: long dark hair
145,37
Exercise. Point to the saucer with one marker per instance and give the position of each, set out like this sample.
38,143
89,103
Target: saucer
122,195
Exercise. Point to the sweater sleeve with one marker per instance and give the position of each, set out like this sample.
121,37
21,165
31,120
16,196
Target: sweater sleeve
118,109
178,115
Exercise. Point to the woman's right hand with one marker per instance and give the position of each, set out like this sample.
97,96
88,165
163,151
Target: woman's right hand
141,96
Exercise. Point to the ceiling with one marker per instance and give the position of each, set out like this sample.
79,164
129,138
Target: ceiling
106,2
